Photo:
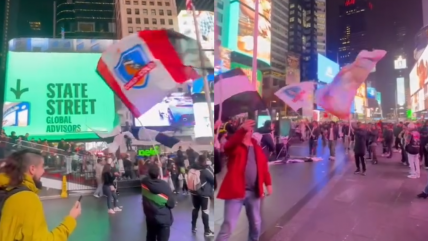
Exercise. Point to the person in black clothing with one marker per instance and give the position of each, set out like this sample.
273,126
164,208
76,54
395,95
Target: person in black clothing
267,141
109,190
201,197
158,201
397,130
360,147
372,136
313,139
388,137
424,141
127,165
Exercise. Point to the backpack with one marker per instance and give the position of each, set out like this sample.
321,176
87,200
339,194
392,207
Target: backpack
414,144
194,180
4,195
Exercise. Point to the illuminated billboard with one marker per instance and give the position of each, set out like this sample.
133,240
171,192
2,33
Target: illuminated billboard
400,63
360,99
419,74
248,71
53,91
327,69
202,126
239,30
292,69
205,19
371,93
401,92
418,101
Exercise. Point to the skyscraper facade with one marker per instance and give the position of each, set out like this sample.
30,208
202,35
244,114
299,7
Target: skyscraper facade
85,19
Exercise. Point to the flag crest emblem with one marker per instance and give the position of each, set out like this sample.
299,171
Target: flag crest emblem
130,63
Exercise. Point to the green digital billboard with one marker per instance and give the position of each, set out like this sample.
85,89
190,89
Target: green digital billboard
248,71
56,95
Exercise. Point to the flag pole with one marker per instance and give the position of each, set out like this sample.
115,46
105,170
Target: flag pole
191,7
217,57
154,148
255,47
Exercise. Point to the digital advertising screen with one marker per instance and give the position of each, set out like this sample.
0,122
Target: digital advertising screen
175,110
202,126
261,119
419,74
205,21
401,92
239,34
371,93
292,69
360,98
418,101
400,63
53,92
249,72
327,69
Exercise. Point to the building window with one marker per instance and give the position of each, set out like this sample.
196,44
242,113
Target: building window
130,30
162,21
147,28
169,12
145,12
151,3
129,20
154,21
137,11
127,2
146,21
138,29
86,27
161,12
170,22
159,3
135,2
144,3
167,4
138,21
128,11
153,12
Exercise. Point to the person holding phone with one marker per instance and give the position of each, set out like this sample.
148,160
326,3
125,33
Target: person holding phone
109,189
22,215
244,183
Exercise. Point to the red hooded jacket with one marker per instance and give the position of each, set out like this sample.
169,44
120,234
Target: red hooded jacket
233,186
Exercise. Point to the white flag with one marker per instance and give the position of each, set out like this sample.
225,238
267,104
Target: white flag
297,95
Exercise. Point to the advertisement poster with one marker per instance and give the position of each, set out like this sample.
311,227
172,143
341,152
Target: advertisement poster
205,21
292,69
248,71
55,95
360,98
419,74
327,69
202,126
418,101
246,28
174,110
401,94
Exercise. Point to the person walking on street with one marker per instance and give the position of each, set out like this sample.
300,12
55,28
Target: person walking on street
98,177
360,148
200,181
22,216
243,185
412,149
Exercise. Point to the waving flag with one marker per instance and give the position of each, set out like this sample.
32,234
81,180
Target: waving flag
165,138
297,95
144,67
336,98
235,92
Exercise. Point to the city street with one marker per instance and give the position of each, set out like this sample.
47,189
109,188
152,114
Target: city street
325,201
96,224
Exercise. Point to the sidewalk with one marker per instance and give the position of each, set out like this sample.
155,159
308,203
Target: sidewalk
381,206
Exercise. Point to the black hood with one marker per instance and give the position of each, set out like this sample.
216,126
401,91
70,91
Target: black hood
156,186
264,130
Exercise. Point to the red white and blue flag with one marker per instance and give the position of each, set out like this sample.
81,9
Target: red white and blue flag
144,67
189,5
297,96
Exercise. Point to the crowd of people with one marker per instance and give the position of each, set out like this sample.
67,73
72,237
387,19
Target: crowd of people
243,147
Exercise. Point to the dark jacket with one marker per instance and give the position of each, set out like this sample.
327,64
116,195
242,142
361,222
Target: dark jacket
315,133
267,142
158,201
397,130
424,134
207,180
335,132
372,136
360,141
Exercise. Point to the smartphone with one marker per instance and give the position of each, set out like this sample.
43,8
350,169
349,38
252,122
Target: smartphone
80,198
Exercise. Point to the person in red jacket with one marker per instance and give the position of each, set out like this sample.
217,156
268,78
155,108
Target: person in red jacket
243,185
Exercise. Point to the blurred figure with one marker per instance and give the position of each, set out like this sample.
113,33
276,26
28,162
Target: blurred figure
372,137
313,139
332,135
412,149
244,189
267,140
424,142
360,148
98,177
109,189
